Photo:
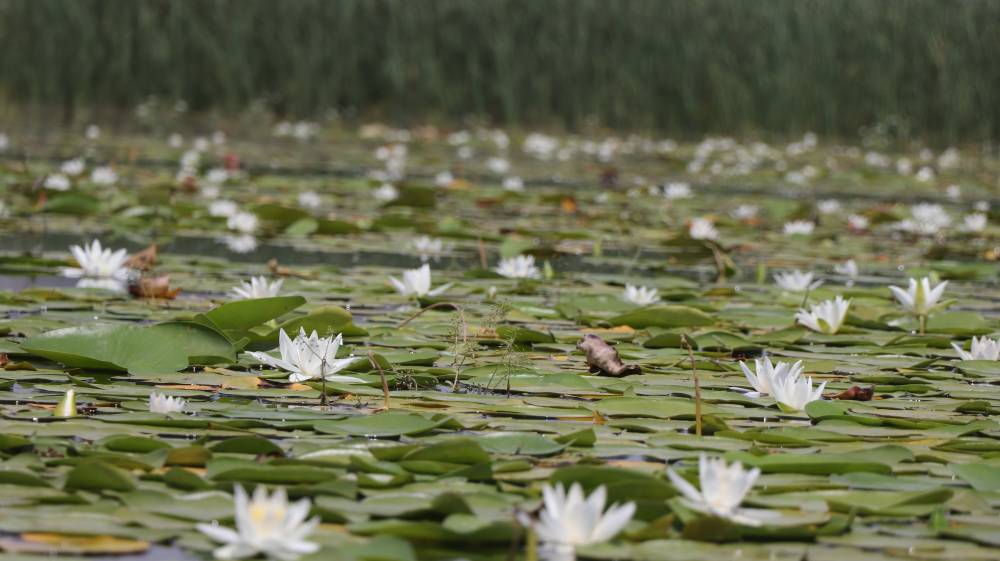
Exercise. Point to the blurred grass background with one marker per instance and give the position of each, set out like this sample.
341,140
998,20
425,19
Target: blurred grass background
685,66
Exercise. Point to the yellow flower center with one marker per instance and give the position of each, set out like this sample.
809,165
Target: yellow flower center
263,517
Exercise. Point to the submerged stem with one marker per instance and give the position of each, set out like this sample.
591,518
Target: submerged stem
381,373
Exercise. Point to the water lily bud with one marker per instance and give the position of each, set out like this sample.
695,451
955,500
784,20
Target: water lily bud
66,406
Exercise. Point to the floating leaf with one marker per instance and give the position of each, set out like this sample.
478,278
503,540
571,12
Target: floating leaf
663,316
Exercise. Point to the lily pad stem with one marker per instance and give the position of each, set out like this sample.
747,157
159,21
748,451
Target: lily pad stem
422,310
323,401
381,373
805,298
697,387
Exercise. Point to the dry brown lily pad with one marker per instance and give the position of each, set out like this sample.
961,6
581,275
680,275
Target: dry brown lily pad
153,287
856,393
143,260
603,358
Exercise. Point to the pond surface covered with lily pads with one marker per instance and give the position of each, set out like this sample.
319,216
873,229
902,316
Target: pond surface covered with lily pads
732,299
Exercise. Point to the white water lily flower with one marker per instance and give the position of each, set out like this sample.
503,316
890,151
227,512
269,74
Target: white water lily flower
925,174
458,138
520,267
189,160
793,394
797,281
825,317
744,212
242,221
981,349
702,229
857,223
572,519
723,488
513,183
304,130
848,268
309,357
764,374
386,193
310,200
499,166
426,246
417,282
57,182
257,287
798,227
975,222
265,525
217,176
926,219
950,158
242,243
444,179
828,206
104,175
161,403
677,190
97,263
640,295
73,167
919,298
223,208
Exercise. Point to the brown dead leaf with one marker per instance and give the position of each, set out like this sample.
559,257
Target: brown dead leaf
488,202
856,393
603,358
143,260
153,287
242,383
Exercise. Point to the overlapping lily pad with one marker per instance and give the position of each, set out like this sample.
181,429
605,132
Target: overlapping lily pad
488,396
